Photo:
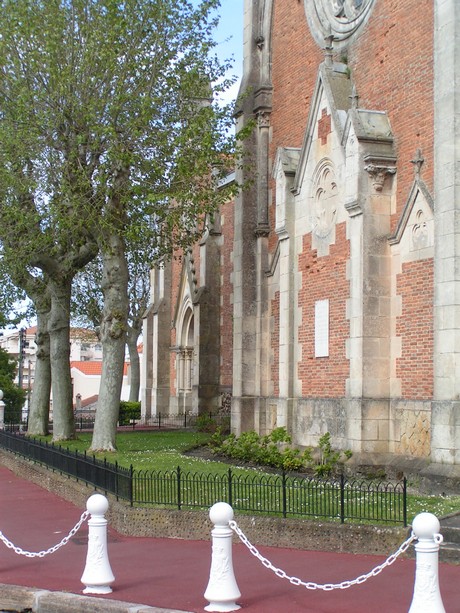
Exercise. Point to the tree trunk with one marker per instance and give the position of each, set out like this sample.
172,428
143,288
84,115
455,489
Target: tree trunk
39,405
135,365
61,383
113,338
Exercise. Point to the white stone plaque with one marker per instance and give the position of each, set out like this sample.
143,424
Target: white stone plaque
321,328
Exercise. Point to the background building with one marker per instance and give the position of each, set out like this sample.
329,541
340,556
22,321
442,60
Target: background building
85,363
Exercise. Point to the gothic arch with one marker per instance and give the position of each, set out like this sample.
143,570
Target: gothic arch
185,353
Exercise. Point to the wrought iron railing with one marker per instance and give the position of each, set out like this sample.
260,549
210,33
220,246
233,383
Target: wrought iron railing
103,475
286,495
85,421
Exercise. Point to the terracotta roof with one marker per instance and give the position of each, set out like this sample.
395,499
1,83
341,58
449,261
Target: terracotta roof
92,367
87,367
86,402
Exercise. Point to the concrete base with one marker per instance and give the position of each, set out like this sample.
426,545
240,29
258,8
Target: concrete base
18,598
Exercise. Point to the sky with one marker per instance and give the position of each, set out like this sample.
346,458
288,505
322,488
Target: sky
229,36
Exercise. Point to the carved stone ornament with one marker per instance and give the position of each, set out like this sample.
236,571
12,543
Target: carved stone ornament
378,174
337,18
263,119
420,233
324,211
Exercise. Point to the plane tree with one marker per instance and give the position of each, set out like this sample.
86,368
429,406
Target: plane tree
88,302
109,128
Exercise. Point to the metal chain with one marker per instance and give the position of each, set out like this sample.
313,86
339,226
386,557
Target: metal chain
317,586
42,554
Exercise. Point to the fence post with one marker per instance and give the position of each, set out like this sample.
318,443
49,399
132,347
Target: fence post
179,501
342,498
97,575
222,590
405,501
427,596
284,484
230,487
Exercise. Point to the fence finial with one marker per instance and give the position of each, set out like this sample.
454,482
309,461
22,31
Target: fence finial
222,591
427,596
97,575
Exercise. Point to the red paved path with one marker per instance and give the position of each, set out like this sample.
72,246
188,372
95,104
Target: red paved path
174,573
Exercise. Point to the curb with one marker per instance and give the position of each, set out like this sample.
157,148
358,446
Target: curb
18,599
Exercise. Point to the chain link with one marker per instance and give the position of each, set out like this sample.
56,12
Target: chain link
318,586
42,554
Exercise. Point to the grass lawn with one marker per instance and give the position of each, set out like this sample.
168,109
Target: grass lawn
162,450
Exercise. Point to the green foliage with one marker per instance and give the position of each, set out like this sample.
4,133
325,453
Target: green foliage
129,411
13,396
213,425
274,450
328,457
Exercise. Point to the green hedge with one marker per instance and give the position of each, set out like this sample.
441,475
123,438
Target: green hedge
129,411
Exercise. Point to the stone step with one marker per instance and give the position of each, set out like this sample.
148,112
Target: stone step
449,552
450,534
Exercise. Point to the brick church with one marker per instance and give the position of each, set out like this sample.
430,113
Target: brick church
326,296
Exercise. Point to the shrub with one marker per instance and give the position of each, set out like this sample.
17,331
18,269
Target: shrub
274,450
208,423
129,411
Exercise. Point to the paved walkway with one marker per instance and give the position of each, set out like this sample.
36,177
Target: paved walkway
173,574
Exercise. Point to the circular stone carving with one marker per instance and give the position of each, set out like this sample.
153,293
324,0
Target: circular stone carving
337,18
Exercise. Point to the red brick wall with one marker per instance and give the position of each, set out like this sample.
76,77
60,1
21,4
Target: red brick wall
415,367
226,329
324,278
392,67
391,63
295,60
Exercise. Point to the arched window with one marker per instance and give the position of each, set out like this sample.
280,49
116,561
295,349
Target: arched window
185,354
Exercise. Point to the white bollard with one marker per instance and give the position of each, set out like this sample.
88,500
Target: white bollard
97,575
222,591
427,597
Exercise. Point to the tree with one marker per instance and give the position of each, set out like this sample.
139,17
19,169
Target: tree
13,397
13,305
108,129
87,304
16,282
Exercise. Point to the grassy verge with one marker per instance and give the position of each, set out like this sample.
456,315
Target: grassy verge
164,450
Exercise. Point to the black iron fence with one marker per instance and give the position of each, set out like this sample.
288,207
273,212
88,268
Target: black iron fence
85,421
275,494
108,477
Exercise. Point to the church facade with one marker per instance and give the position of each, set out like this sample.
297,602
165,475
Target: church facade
326,297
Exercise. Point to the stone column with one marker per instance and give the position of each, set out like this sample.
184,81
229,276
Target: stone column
445,433
159,340
251,221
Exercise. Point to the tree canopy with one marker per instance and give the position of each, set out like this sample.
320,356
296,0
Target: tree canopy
109,129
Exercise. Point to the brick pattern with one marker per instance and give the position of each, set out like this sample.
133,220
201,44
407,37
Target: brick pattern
294,70
324,278
392,67
324,126
415,327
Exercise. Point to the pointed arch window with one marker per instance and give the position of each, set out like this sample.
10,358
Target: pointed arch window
185,353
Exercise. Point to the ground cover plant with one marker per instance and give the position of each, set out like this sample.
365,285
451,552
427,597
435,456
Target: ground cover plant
166,450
